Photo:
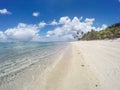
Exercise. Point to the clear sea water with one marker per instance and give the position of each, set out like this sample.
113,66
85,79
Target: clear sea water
19,55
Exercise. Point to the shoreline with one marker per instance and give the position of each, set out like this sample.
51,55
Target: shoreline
92,65
72,73
23,79
82,65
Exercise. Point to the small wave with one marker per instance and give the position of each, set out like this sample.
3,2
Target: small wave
27,57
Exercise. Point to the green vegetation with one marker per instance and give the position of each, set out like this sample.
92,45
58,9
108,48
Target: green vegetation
111,32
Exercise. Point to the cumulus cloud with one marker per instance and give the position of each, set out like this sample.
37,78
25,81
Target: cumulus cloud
2,37
4,11
67,37
64,20
71,26
35,14
42,24
22,32
54,22
89,21
65,28
104,26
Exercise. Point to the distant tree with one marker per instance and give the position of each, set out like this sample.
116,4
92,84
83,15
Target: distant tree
111,32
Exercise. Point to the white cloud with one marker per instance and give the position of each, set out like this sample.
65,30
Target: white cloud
64,29
67,37
54,22
118,0
64,20
2,37
81,18
89,21
70,26
4,11
104,26
35,14
42,24
22,32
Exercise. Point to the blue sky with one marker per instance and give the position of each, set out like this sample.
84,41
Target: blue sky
21,11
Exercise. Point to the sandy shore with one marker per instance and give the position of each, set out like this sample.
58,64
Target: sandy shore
89,65
103,58
72,73
83,65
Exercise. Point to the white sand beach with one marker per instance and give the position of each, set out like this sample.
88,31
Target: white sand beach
90,65
84,65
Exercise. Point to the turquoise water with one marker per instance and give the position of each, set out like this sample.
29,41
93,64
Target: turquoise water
17,56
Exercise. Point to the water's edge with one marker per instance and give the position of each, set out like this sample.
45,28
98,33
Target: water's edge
10,72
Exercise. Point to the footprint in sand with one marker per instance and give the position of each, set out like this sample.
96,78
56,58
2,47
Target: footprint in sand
83,65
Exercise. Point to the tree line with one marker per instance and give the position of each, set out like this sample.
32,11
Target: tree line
110,32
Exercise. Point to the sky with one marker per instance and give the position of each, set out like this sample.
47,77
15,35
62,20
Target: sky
54,20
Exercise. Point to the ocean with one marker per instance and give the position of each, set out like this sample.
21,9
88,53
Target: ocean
17,56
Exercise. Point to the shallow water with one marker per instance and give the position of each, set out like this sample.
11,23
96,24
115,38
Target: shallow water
19,55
